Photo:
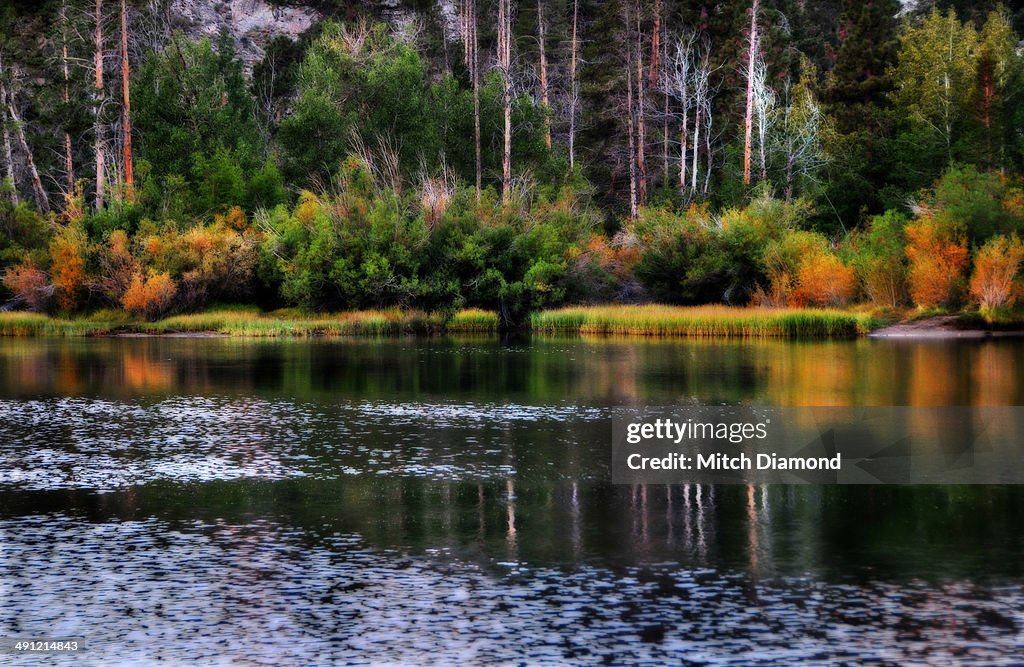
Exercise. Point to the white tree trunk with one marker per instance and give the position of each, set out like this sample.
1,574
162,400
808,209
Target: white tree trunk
749,117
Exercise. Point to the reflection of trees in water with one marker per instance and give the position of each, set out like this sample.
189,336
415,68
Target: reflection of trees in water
596,371
764,530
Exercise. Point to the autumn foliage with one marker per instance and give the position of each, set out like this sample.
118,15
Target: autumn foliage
68,252
151,297
30,285
823,280
938,261
995,284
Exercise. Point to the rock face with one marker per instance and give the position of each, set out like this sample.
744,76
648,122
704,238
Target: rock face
252,23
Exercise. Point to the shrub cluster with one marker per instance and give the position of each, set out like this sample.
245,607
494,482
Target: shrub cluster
371,240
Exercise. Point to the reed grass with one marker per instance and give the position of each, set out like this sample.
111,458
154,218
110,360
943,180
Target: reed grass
473,320
34,324
702,321
651,320
229,321
245,323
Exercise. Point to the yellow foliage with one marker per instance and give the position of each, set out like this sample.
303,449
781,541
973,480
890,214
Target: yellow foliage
68,252
823,280
152,297
995,281
938,259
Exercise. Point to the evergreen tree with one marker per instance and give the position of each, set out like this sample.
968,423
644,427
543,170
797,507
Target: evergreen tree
856,95
868,45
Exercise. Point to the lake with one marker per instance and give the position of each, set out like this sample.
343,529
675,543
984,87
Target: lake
446,501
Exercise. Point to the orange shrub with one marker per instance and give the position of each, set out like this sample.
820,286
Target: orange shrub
30,284
994,284
823,280
152,297
117,266
783,259
938,259
235,218
68,251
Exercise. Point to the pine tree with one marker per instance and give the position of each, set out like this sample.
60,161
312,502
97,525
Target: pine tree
868,46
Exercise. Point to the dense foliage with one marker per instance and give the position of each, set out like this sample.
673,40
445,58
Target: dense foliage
340,172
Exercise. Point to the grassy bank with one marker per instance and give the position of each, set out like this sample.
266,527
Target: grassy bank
703,321
253,324
243,321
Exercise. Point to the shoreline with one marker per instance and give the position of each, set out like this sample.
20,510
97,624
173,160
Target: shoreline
650,321
944,327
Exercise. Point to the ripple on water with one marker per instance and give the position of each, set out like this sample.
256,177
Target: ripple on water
103,445
145,591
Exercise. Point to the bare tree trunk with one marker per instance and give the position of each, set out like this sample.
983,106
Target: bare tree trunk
662,76
789,176
749,118
683,66
126,110
683,152
641,132
474,70
505,65
464,31
541,38
652,76
69,167
633,210
574,95
696,150
708,155
8,153
98,56
42,201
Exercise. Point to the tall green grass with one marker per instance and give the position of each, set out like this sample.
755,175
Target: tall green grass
34,324
473,320
703,321
234,322
249,321
706,321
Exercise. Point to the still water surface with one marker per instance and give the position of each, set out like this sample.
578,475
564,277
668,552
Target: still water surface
447,501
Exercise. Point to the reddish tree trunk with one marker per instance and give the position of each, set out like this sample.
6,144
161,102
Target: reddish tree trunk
641,128
98,57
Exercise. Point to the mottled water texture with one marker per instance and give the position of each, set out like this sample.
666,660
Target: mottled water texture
447,501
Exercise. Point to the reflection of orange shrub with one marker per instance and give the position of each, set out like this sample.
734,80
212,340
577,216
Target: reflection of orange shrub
938,258
68,252
823,280
30,284
994,283
151,297
142,372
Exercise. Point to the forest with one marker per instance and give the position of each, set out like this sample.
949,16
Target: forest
513,156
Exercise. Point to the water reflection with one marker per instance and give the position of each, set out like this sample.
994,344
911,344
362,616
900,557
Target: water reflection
592,371
304,572
313,502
